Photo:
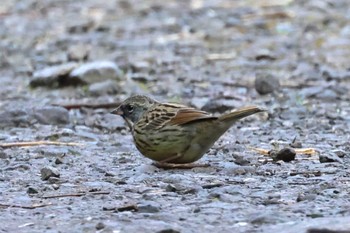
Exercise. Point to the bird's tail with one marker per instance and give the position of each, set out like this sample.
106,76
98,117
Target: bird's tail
240,113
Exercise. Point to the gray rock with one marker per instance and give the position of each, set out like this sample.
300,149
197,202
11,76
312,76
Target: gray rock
168,230
52,115
141,77
140,66
16,117
100,226
3,155
96,72
148,207
266,83
103,88
32,190
53,76
48,172
329,158
78,52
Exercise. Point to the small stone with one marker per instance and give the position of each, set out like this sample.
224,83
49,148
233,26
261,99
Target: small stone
170,188
59,160
142,77
52,76
219,105
140,66
266,83
78,26
324,230
296,144
48,172
55,186
32,190
306,197
108,87
339,153
329,158
78,52
96,72
148,207
169,230
3,155
199,102
240,160
16,117
285,154
52,115
54,180
100,226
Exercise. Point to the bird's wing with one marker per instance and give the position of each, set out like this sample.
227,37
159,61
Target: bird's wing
171,115
188,115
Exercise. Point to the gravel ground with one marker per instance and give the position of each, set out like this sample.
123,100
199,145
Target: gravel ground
65,64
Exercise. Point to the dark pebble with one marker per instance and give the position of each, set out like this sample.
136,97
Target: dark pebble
48,172
266,83
286,154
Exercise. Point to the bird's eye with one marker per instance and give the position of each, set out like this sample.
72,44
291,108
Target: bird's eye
129,108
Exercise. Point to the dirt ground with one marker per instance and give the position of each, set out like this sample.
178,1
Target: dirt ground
64,65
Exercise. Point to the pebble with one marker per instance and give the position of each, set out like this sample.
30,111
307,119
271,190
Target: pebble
16,117
100,226
107,87
266,83
148,207
52,76
329,158
169,230
285,154
3,154
79,52
32,190
96,72
52,115
48,172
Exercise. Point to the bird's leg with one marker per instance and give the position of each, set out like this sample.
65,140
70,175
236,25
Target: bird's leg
166,165
171,158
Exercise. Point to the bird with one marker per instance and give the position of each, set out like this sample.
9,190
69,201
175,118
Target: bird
173,134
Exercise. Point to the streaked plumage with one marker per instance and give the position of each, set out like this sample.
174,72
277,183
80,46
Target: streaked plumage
173,133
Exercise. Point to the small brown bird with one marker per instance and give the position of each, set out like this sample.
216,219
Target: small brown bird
175,134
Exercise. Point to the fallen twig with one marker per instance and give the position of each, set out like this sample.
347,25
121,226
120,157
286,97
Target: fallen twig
306,151
24,207
76,194
37,143
85,105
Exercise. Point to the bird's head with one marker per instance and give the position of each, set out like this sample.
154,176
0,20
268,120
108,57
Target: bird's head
133,108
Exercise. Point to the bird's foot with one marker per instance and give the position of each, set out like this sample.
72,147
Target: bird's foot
178,166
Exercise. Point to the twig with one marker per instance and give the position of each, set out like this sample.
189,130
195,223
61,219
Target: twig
76,194
221,56
306,151
85,105
37,143
24,207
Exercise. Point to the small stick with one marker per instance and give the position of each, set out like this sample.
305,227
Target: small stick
24,207
307,151
85,105
37,143
76,194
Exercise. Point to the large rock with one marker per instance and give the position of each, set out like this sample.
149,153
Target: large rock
16,117
53,76
104,88
51,115
96,72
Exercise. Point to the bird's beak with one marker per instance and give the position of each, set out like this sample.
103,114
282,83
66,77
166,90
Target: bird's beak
117,111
